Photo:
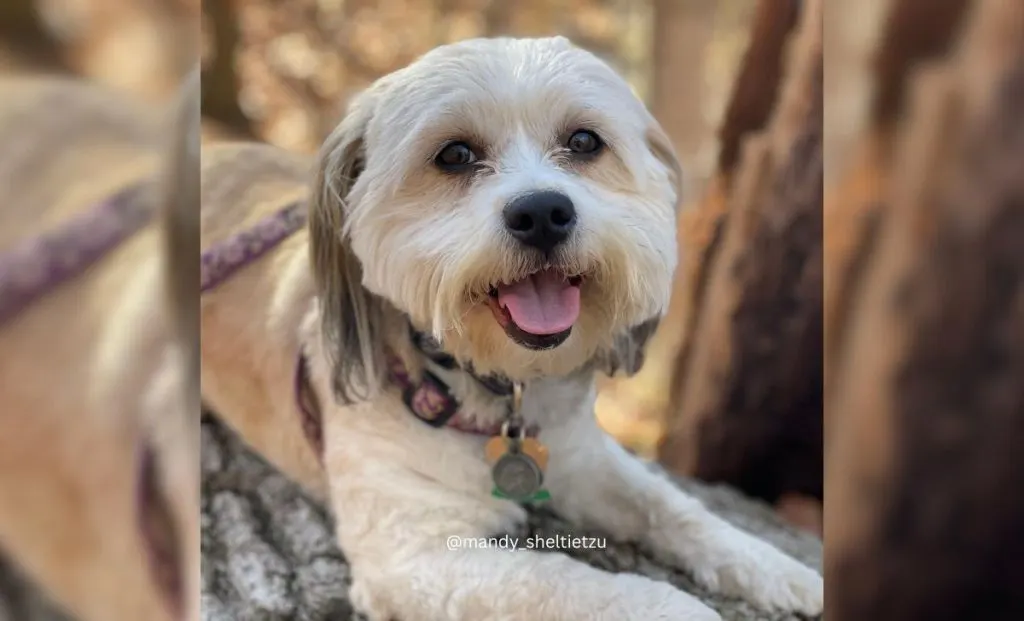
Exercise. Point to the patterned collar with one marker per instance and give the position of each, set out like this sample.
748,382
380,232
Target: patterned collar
432,400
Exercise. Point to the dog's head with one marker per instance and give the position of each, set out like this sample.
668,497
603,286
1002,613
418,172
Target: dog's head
511,196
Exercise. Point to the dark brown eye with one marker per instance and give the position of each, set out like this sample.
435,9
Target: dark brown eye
456,156
584,142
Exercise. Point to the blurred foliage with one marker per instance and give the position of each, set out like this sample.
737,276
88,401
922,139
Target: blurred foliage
296,62
282,71
142,46
293,65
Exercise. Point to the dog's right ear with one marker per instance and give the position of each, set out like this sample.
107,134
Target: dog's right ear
351,318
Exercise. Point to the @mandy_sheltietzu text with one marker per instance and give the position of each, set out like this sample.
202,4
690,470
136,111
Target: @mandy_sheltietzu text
533,542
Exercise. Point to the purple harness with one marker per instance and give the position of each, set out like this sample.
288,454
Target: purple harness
35,267
230,255
431,400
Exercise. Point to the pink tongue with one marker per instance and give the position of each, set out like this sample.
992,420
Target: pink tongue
544,303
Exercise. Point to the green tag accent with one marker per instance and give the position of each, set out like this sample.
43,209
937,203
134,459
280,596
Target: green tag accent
541,496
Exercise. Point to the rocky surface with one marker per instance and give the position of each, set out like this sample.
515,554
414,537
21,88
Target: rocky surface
268,550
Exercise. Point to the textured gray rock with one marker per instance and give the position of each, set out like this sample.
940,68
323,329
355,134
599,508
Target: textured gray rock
268,550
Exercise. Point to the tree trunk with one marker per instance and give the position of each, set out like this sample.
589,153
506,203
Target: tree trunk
220,81
748,379
682,32
913,32
23,36
926,402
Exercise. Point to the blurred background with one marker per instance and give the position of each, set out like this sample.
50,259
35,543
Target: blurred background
924,310
281,71
141,49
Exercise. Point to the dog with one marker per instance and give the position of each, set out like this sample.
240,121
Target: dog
99,449
499,213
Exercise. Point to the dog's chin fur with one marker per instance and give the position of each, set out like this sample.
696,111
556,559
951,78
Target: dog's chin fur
432,244
481,340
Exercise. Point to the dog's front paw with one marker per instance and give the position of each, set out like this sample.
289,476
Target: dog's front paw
749,568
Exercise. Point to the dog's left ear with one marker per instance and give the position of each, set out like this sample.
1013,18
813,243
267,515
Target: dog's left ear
627,352
352,319
661,147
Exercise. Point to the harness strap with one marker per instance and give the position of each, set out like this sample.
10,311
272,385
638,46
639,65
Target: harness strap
224,258
37,266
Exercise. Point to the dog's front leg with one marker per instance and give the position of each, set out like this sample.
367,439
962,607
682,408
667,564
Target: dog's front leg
414,547
594,481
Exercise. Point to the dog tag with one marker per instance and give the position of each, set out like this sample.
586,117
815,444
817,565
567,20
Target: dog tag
517,462
498,446
536,450
517,476
495,448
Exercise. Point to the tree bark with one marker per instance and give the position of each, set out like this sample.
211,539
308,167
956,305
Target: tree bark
926,403
23,33
912,33
748,379
682,32
220,81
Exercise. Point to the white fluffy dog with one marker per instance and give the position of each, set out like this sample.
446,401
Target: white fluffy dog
515,201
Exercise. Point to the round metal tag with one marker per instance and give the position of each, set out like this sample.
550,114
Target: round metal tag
517,476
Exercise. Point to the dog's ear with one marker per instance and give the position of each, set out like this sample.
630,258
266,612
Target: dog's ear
351,318
661,147
627,352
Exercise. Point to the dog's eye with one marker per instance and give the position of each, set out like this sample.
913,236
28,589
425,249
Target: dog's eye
584,142
455,156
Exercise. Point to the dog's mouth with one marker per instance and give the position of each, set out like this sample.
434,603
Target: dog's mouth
538,311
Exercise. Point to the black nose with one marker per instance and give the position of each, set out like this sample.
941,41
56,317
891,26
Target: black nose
540,219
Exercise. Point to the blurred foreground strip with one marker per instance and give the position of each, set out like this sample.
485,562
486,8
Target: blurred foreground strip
925,325
99,405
